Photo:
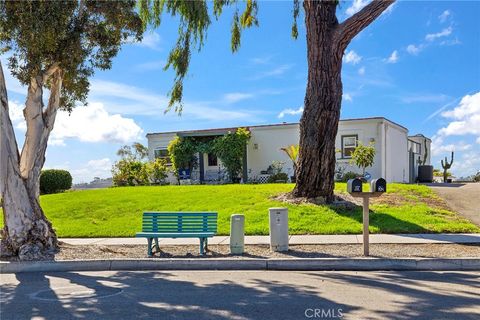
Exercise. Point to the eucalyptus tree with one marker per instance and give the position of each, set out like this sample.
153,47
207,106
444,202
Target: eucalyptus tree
327,40
54,47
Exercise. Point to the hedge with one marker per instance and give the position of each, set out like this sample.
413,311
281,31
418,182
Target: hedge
54,181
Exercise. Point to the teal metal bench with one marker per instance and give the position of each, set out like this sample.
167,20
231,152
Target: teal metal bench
156,225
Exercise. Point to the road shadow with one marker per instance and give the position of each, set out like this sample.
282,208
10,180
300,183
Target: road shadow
422,302
158,295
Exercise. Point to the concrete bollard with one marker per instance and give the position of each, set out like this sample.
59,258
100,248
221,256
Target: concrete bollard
278,229
237,234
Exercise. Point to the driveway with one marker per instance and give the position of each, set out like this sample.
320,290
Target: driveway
463,198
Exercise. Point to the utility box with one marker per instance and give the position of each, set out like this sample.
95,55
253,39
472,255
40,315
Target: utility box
278,229
378,185
237,234
354,185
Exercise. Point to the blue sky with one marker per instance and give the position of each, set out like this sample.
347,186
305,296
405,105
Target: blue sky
418,65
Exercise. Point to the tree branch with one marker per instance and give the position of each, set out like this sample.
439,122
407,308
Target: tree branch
348,29
54,100
50,71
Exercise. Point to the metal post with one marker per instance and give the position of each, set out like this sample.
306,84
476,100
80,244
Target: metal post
365,224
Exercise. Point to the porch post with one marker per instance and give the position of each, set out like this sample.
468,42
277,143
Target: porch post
201,164
245,168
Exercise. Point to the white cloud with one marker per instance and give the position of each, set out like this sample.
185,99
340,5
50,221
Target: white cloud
464,122
444,33
347,97
466,164
466,117
131,100
290,111
356,6
101,168
425,98
413,49
275,72
393,57
261,60
234,97
92,123
439,147
352,57
450,42
361,71
15,111
389,9
151,65
150,40
444,16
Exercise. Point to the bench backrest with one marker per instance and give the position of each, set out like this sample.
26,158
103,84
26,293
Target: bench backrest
184,222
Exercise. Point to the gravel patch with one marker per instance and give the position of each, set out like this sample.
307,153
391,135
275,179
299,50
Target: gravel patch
82,252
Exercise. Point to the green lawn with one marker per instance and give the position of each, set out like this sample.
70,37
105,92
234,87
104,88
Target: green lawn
116,212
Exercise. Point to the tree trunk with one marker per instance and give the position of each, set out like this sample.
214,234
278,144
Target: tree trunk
27,233
326,43
319,122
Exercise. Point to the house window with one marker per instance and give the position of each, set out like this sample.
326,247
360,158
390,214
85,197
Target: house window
163,154
212,160
349,143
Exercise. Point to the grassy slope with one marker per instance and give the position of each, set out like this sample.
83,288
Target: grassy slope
117,211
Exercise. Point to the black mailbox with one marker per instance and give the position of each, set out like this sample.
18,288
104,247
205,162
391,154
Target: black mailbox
354,185
378,185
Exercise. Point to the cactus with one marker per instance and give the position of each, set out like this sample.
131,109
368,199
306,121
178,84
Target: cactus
445,167
425,154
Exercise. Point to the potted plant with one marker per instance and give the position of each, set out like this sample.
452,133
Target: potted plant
363,157
425,172
292,153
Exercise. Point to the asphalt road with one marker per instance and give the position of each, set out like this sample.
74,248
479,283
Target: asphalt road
241,295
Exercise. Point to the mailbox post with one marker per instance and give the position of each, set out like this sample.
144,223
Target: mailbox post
377,188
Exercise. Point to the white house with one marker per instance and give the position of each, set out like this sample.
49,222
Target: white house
397,154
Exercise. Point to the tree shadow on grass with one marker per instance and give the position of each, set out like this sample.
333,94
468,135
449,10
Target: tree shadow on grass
157,295
385,222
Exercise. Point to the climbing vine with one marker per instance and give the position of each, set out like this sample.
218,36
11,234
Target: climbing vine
229,148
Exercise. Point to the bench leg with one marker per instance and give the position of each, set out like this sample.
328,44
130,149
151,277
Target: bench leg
149,250
202,252
157,247
206,244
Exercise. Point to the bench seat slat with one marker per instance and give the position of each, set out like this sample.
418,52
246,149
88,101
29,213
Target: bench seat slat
174,234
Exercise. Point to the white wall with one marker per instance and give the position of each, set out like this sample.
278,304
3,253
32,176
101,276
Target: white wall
160,140
265,143
268,141
368,131
396,154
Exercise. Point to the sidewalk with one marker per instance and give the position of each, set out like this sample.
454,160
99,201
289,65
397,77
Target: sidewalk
297,239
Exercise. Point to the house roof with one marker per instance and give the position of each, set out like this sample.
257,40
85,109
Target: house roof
421,136
221,131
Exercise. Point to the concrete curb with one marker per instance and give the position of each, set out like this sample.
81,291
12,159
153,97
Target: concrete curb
344,264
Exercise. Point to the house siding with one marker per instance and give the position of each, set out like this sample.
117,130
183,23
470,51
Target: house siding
389,139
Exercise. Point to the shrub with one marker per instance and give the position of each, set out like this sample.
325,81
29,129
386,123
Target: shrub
363,156
129,173
53,181
281,176
157,171
349,175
